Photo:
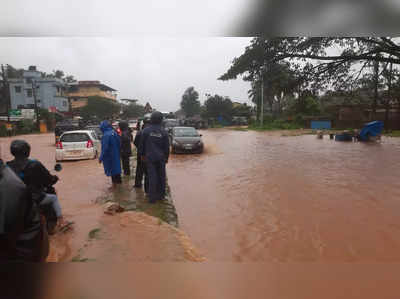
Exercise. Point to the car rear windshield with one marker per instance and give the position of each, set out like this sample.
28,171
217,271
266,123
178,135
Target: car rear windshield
171,123
186,132
75,137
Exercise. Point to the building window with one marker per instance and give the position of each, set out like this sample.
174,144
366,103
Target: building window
17,89
29,93
28,80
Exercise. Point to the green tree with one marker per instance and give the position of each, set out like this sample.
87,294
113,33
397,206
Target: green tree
69,79
190,103
306,105
13,73
241,110
217,106
48,117
58,74
99,108
132,110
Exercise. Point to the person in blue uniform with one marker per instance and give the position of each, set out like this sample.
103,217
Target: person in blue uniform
111,153
154,150
126,149
140,164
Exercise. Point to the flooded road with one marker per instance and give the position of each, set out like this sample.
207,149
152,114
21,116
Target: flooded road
81,182
130,236
262,197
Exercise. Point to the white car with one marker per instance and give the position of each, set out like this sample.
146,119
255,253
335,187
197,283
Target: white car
133,124
78,145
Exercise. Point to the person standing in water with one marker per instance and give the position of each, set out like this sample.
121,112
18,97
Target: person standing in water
140,164
111,153
126,149
154,150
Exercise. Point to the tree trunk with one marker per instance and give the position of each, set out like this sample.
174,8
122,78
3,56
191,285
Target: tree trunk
388,100
376,76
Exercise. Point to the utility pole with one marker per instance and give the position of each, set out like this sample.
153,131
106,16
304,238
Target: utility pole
36,105
262,101
6,92
376,92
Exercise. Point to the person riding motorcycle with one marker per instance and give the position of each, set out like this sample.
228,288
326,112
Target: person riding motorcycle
23,238
38,180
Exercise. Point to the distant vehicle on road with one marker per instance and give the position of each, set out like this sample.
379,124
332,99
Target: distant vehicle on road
64,126
169,124
78,145
133,124
240,121
96,129
186,140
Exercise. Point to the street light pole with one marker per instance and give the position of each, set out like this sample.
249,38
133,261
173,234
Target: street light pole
6,92
262,101
36,105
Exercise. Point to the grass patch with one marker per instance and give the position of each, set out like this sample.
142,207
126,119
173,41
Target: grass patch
156,210
94,233
216,126
79,259
240,129
393,134
275,125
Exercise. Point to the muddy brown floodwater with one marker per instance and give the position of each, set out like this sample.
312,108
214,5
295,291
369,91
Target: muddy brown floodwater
130,236
262,197
81,182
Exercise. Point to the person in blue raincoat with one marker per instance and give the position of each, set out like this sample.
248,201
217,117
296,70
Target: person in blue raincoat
154,150
110,152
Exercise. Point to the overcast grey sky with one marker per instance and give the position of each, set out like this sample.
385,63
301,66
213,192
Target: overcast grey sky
154,69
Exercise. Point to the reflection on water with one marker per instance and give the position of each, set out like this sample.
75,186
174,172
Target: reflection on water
256,197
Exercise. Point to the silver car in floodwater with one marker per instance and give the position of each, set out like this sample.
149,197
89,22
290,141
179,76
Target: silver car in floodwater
78,145
186,140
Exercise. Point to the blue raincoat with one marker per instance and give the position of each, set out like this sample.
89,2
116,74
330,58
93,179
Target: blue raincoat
110,150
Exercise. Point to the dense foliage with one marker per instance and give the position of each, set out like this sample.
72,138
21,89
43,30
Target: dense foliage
291,71
190,103
99,108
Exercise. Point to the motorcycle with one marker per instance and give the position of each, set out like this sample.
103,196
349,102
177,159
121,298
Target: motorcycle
47,210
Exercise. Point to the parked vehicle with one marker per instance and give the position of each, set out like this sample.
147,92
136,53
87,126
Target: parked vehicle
133,124
47,210
96,129
195,123
186,140
169,124
64,126
240,121
78,145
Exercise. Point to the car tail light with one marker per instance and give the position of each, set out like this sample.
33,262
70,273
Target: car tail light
59,145
89,144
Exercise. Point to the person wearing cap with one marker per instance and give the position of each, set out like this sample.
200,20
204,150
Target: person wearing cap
140,164
154,150
126,149
36,177
23,237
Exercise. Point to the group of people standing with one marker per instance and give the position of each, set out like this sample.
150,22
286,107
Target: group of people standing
152,144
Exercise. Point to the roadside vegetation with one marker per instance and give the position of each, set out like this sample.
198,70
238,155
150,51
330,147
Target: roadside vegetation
393,134
363,78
